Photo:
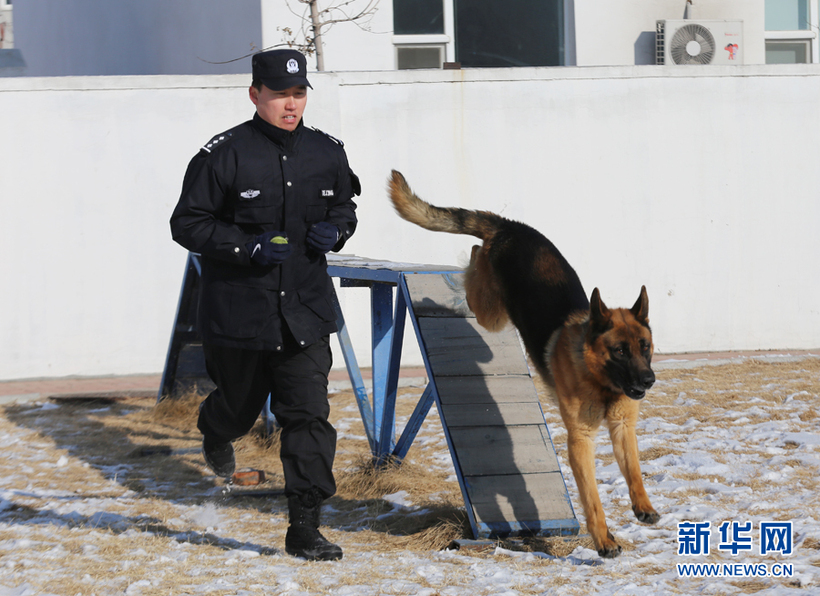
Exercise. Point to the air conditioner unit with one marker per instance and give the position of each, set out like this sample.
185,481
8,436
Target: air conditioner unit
699,42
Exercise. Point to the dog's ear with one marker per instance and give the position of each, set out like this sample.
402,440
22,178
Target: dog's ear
641,309
600,317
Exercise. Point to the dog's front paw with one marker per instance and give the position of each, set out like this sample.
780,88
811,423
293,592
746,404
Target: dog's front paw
647,517
609,549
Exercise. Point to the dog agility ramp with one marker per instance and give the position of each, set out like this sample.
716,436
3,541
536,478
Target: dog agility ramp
489,408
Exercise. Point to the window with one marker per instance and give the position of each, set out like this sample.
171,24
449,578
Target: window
791,31
417,17
478,33
787,15
419,33
509,33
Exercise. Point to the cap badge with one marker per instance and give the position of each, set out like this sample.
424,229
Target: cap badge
293,66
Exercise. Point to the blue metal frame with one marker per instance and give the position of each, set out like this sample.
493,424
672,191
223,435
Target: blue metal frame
355,374
388,318
171,356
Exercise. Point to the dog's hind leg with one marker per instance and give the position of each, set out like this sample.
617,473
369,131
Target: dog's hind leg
483,292
622,417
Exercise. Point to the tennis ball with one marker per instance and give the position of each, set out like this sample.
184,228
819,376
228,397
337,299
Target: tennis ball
279,240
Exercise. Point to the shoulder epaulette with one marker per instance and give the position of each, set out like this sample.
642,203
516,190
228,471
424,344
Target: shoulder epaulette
332,138
216,141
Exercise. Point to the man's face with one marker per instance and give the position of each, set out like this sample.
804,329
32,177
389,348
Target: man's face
283,109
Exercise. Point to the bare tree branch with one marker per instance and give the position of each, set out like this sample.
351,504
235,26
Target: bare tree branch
313,26
316,22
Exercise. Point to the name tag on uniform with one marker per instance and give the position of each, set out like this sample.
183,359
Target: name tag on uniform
327,193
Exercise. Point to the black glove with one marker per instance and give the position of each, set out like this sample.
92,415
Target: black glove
268,249
322,236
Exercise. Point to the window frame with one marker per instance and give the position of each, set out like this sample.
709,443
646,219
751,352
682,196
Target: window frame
807,43
808,36
446,39
441,46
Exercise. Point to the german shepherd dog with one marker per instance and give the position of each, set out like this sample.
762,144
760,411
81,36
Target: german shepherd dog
595,359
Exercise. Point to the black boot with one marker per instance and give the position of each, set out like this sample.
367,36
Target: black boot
219,457
303,538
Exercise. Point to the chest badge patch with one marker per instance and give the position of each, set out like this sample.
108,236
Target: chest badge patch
250,194
327,193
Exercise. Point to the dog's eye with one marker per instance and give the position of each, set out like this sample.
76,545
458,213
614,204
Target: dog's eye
619,351
644,346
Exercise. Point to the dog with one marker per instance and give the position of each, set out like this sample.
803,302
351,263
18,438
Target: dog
596,360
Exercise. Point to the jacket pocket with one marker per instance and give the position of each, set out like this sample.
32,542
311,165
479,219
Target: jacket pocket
315,212
319,197
257,204
257,215
318,303
236,310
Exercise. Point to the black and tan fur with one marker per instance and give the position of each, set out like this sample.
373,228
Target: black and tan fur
595,359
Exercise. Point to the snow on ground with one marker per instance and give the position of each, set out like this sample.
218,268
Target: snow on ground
709,455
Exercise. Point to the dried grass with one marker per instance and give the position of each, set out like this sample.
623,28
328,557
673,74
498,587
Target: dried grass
361,483
370,480
709,392
658,452
556,547
97,440
180,411
751,586
436,525
436,529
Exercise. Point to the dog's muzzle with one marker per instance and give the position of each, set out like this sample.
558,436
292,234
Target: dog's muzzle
642,384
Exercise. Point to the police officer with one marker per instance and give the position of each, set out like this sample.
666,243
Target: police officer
262,203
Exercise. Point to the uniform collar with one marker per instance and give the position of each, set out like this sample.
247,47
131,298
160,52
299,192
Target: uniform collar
284,138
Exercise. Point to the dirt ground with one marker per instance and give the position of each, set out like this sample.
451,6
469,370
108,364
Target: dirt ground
143,461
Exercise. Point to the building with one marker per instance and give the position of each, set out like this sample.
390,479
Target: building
6,32
96,37
708,165
11,60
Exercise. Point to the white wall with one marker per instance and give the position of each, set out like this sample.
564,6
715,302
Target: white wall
697,182
622,33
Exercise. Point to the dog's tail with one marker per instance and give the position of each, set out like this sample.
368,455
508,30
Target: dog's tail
481,224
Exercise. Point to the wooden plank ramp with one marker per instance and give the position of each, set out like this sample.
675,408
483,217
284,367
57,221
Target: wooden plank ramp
489,408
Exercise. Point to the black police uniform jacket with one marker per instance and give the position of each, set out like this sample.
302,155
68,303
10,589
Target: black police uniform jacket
258,178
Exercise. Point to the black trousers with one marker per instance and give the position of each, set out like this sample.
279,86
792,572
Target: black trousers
296,379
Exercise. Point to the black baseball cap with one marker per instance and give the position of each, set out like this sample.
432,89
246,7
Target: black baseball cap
280,69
